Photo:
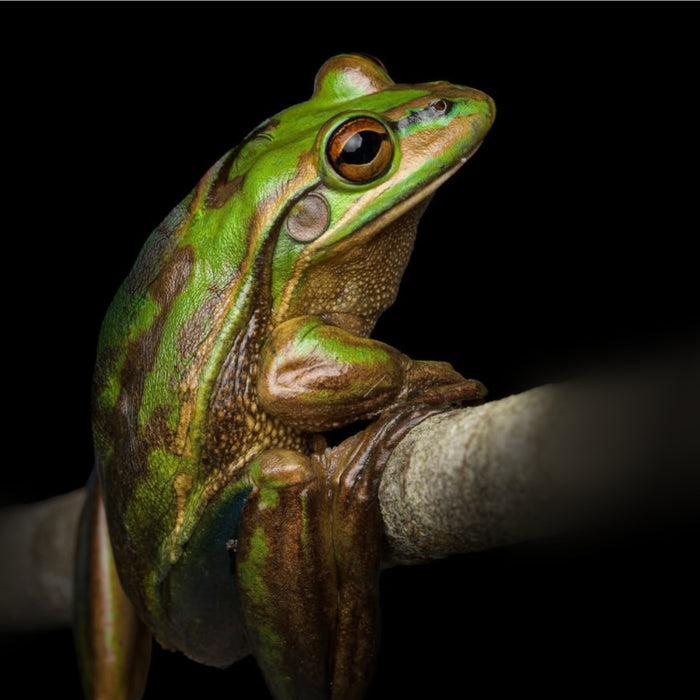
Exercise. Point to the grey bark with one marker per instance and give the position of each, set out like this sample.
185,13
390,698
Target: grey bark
560,458
556,458
37,551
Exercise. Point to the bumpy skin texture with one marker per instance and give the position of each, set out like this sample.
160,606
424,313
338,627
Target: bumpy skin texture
242,331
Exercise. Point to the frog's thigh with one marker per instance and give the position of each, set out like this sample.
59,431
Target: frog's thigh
286,573
114,646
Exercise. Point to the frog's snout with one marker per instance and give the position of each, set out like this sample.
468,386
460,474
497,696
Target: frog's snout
491,109
481,108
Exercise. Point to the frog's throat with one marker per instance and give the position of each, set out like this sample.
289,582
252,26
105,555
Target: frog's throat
318,252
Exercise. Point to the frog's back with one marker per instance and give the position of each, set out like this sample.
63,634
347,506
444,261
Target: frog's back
175,412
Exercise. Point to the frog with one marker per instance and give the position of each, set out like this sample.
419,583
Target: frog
219,520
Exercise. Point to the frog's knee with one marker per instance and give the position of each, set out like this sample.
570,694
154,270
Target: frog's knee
278,469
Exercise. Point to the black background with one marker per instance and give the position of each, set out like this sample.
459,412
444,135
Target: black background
566,242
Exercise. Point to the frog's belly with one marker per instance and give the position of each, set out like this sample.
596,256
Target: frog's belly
198,599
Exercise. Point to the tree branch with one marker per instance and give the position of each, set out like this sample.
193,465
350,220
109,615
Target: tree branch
539,463
37,549
574,456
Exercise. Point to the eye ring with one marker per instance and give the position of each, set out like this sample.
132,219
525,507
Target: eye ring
440,106
360,150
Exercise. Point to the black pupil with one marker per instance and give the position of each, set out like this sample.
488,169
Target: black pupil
361,148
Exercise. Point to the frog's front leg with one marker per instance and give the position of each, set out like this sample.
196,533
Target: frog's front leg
113,645
317,377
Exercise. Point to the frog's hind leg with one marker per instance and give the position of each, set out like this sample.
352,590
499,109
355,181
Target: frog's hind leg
286,575
308,561
114,646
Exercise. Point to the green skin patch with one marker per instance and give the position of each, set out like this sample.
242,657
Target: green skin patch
243,329
251,579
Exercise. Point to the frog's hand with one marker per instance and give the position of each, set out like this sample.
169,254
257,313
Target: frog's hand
286,575
317,377
114,646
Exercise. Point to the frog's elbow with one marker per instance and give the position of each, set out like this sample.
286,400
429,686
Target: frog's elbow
286,383
276,387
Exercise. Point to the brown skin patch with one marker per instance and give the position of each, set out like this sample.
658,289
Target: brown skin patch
222,190
216,314
132,446
358,280
189,337
162,244
173,278
238,428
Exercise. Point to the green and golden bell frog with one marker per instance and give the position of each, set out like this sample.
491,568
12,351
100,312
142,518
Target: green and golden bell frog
218,520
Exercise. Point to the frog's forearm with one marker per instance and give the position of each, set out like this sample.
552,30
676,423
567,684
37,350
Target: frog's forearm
317,377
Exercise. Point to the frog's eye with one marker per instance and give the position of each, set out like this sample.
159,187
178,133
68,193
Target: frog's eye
360,150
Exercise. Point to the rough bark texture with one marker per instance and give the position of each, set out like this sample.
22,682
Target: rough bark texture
576,455
580,455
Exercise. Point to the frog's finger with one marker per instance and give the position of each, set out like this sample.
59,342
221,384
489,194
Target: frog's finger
316,376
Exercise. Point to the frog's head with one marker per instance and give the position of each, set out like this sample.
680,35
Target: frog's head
331,190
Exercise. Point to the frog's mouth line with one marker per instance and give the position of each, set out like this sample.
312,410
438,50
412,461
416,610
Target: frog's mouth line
398,210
